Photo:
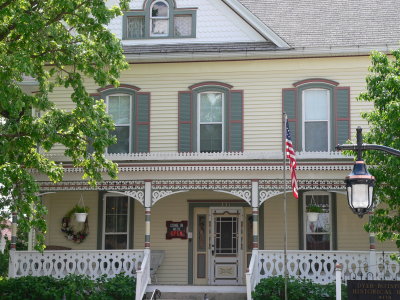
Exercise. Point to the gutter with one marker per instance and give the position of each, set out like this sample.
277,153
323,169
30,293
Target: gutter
303,52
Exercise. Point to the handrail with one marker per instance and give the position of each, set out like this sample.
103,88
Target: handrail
156,293
252,276
143,276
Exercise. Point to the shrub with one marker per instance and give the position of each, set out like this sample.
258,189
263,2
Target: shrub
72,287
273,288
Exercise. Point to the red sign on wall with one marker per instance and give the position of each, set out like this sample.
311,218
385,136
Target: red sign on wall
176,230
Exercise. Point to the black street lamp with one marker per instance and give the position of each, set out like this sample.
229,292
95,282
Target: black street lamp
360,183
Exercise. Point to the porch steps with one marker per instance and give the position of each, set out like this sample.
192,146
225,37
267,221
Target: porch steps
197,292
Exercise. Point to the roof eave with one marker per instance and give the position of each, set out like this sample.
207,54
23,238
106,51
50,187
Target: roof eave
272,54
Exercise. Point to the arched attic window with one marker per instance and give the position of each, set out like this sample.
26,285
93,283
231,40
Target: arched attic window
159,19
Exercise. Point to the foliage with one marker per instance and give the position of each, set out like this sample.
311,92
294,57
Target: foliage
58,43
77,209
273,288
383,90
72,287
314,209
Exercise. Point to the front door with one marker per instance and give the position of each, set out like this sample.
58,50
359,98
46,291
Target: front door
226,246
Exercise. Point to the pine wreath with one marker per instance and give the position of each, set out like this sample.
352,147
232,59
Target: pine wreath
70,233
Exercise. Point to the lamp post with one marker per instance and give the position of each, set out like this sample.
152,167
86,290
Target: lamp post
360,183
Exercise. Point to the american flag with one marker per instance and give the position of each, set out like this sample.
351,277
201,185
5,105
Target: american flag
292,160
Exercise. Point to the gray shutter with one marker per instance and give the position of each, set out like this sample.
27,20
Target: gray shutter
142,123
185,122
289,107
235,132
90,146
342,124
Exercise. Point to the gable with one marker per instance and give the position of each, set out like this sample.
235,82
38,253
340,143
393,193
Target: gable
217,21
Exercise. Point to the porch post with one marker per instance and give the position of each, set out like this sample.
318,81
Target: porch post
13,246
147,205
254,205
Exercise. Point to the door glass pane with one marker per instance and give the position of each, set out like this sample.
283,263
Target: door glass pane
316,104
119,109
122,145
183,26
115,241
226,235
211,107
316,136
201,232
211,138
160,9
135,27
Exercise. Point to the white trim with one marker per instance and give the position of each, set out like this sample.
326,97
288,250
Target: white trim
110,195
317,193
303,120
256,23
200,123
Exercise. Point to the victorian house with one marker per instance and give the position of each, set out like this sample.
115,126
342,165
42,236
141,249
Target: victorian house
199,198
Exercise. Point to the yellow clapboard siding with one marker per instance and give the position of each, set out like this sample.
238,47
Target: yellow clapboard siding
261,80
58,204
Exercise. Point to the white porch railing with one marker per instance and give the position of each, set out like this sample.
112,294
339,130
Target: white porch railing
320,266
252,276
60,263
143,276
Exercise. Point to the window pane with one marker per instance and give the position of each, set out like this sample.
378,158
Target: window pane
160,9
122,223
316,104
316,136
321,225
211,107
115,241
211,138
110,205
135,27
318,242
183,26
122,145
119,109
159,27
122,205
110,223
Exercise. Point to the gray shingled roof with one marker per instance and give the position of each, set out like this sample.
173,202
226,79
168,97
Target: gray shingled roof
326,23
193,48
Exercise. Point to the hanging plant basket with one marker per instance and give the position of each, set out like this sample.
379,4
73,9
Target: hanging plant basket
312,216
80,217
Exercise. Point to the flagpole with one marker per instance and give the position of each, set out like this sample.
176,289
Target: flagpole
284,116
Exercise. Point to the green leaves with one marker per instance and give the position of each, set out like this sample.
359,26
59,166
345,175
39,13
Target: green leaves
383,90
58,43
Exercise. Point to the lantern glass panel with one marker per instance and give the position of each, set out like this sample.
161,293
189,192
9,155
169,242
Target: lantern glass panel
360,197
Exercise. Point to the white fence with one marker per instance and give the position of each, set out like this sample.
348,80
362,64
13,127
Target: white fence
59,264
320,266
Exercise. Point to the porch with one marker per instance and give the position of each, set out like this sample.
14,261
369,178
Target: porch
318,266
